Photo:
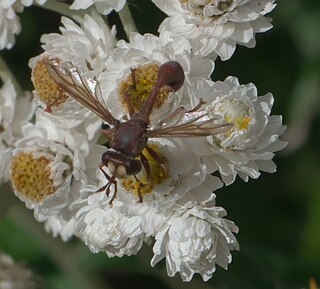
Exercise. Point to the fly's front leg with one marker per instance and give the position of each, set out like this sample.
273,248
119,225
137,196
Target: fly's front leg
130,107
106,188
129,104
198,106
108,133
114,182
156,157
146,166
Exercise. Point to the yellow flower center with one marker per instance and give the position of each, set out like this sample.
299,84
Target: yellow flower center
158,175
137,86
234,111
198,6
31,176
49,92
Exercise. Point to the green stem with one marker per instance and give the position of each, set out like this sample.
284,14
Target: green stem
6,74
63,9
60,253
127,20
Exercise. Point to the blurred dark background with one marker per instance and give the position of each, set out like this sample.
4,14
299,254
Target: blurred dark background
278,214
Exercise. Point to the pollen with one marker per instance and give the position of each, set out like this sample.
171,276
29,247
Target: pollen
158,175
49,92
136,87
31,177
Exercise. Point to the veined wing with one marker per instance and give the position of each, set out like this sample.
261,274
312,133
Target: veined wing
183,123
84,90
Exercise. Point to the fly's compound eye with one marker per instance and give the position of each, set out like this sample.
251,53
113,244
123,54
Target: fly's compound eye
121,165
133,167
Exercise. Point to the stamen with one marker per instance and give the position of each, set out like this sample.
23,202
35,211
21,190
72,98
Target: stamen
234,111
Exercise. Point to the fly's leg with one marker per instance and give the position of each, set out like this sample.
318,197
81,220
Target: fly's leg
146,165
139,189
198,106
129,104
156,157
106,188
114,182
130,107
179,111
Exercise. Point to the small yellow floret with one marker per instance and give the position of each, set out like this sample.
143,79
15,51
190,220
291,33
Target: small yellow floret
31,177
49,92
138,85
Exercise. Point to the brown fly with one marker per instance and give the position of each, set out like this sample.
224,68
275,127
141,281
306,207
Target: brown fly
127,139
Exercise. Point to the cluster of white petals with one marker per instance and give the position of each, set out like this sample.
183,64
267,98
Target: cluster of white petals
9,23
109,230
14,113
195,240
16,276
216,26
103,6
86,46
9,20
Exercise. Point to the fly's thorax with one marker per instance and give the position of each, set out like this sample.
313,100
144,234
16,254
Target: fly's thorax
130,138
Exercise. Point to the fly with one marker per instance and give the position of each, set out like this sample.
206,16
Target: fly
127,139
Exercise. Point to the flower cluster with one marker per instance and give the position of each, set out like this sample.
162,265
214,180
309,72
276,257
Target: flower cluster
78,181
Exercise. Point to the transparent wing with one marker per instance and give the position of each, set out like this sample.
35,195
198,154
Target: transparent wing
84,90
183,123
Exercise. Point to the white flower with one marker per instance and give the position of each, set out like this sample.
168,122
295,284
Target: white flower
107,229
16,276
14,113
9,23
140,59
103,6
216,25
48,168
249,146
86,46
194,240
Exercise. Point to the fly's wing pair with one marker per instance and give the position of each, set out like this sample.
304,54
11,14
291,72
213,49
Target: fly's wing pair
84,90
194,123
181,123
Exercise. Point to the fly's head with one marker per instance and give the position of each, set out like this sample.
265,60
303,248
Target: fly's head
121,165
